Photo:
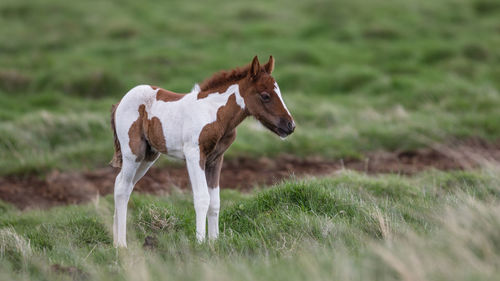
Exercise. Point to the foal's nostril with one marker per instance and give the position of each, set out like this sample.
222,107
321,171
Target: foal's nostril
291,126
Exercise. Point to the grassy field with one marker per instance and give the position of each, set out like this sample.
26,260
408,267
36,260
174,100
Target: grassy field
357,75
435,226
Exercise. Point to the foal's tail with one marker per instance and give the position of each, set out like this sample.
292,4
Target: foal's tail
117,157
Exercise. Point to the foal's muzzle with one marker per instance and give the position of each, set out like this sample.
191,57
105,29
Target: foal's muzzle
285,127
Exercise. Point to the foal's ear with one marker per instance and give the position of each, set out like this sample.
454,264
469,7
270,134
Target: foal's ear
255,67
269,66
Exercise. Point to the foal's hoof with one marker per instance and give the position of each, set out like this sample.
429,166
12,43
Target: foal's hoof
119,244
212,238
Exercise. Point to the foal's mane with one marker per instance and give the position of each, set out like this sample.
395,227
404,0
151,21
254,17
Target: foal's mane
223,77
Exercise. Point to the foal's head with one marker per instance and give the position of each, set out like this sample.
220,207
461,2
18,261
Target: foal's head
263,99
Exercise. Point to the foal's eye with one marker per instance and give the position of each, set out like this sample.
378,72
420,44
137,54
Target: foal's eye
265,97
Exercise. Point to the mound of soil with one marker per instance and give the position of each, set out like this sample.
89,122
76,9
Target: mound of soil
242,173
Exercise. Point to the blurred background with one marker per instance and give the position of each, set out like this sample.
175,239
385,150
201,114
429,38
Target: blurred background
358,76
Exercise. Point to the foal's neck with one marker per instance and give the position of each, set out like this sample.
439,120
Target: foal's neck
230,115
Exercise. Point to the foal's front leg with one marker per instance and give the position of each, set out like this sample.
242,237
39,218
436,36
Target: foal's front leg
201,197
212,173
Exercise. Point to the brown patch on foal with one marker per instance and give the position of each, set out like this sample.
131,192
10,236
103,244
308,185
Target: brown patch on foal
166,96
214,160
137,140
154,133
146,138
217,136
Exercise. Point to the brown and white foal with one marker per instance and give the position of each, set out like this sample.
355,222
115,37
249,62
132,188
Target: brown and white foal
198,127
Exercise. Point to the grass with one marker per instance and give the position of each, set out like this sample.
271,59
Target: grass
433,226
357,75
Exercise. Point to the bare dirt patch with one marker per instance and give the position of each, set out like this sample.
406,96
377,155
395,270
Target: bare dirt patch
60,188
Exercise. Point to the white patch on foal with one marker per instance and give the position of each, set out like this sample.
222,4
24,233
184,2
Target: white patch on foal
278,92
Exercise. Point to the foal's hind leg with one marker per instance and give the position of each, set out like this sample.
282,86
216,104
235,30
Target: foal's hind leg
130,174
144,167
124,184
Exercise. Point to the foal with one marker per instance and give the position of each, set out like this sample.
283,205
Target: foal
198,127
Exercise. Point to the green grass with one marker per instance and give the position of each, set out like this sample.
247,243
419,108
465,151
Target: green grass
434,226
357,75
